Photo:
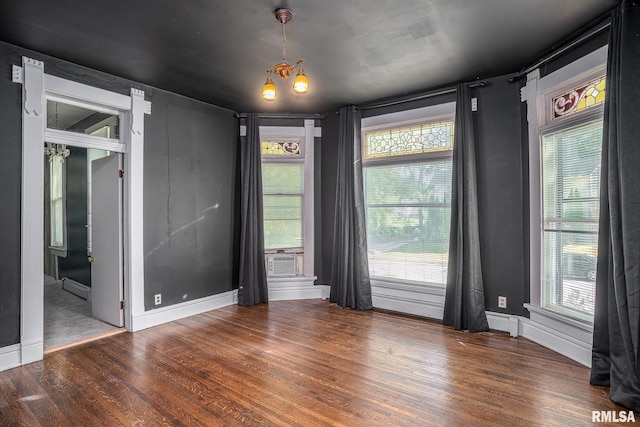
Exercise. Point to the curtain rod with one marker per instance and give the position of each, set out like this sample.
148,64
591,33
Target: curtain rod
283,116
583,37
425,95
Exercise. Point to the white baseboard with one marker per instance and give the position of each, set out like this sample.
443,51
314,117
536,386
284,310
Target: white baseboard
9,357
179,311
558,342
76,288
422,302
504,322
293,288
31,352
326,292
568,339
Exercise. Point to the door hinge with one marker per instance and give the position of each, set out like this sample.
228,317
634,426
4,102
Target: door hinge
122,305
121,173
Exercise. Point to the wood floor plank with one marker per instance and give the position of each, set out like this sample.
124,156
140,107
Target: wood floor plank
302,363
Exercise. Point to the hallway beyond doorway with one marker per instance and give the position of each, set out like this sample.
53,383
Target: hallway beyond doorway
67,317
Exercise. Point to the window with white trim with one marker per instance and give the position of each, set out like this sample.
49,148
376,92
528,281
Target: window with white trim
283,193
571,145
407,169
57,203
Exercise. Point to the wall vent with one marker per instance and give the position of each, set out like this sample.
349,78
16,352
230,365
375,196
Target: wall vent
281,265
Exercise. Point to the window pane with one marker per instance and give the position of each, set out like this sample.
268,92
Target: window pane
56,224
425,182
282,178
282,185
282,221
76,119
408,220
57,201
425,138
571,187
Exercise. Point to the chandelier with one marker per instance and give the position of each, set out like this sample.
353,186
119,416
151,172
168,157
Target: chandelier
284,69
56,150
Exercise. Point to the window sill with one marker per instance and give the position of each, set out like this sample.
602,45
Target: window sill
426,288
541,314
58,252
290,279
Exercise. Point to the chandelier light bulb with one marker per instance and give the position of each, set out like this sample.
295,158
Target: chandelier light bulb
269,89
301,83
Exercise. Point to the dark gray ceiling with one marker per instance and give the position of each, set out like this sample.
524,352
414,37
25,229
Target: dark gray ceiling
354,50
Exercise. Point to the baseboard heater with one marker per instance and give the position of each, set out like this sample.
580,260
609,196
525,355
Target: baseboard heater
76,288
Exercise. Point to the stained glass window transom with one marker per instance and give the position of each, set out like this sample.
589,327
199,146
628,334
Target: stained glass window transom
580,98
280,148
425,138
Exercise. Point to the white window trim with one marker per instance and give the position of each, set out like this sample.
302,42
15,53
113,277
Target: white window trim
306,135
301,160
537,93
408,117
36,87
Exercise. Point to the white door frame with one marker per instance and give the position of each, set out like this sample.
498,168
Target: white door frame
37,86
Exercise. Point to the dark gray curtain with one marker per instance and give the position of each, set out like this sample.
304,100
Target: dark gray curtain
464,300
616,332
350,285
252,288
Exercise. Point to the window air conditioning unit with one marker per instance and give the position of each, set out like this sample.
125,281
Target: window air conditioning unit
281,265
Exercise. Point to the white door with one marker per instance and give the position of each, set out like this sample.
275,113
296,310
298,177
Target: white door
106,236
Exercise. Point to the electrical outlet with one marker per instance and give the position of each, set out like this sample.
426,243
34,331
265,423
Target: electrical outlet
502,302
158,299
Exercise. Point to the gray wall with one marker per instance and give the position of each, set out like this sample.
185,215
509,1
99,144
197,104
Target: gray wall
190,161
502,189
10,123
190,166
325,211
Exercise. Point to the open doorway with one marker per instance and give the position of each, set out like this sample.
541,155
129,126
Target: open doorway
38,89
82,216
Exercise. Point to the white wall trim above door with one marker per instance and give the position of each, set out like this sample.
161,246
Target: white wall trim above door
36,87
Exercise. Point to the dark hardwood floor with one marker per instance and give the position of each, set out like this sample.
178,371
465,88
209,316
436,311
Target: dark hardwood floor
302,363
